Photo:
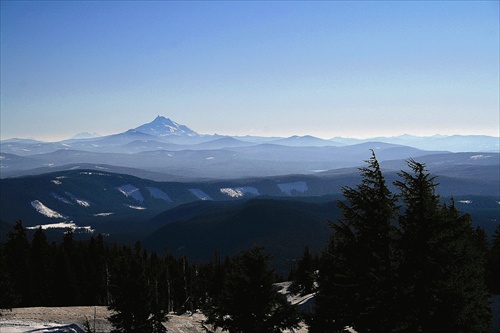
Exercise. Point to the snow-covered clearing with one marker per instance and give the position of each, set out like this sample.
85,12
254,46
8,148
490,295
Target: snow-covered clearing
80,201
479,157
26,319
46,211
60,198
238,192
200,194
103,214
89,173
136,207
130,190
159,194
63,225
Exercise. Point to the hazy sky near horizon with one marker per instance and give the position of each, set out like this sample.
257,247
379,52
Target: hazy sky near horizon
329,68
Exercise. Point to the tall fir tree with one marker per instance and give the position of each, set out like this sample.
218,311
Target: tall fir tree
40,269
9,298
304,275
493,264
425,276
156,280
17,250
96,272
356,284
66,285
133,295
442,285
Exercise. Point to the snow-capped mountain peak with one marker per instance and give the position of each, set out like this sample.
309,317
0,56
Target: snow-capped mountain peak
162,126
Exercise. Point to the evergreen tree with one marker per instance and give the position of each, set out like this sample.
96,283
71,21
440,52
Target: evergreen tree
304,275
95,272
17,261
442,275
8,295
249,302
357,277
210,281
156,279
133,295
426,276
40,270
493,265
66,286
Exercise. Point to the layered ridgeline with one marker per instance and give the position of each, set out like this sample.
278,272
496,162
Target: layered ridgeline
166,150
197,218
163,179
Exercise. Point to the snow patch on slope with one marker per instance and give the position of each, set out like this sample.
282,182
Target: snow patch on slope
18,326
479,157
159,194
296,186
90,173
103,214
46,211
238,192
62,199
200,194
130,190
63,225
81,202
135,207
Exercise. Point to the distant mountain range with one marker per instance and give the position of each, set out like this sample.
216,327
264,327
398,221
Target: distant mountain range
172,187
194,194
454,143
167,150
85,135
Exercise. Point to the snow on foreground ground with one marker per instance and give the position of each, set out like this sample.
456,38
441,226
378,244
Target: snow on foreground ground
41,319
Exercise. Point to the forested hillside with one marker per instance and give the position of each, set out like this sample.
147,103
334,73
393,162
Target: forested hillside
396,260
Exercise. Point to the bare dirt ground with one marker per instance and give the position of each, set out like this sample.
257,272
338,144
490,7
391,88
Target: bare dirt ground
26,319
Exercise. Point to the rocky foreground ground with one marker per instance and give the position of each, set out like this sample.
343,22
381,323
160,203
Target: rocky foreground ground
43,318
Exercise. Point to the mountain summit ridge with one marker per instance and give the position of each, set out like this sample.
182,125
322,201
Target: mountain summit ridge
163,127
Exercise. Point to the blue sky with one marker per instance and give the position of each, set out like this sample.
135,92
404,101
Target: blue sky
354,69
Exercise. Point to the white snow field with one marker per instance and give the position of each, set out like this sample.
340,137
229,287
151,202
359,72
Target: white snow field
45,319
238,192
130,190
103,214
135,207
200,194
46,211
63,225
159,194
60,198
80,201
